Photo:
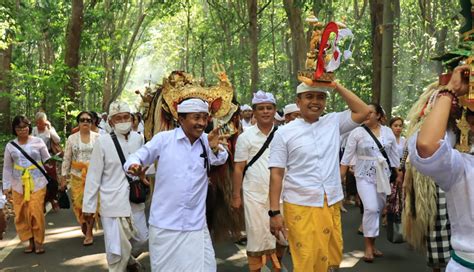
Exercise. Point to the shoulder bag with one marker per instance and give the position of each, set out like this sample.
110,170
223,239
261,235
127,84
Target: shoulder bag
138,190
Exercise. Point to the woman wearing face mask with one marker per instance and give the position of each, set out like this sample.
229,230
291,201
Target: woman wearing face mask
371,172
74,168
26,183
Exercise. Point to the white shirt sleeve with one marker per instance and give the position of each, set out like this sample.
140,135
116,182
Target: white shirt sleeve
147,154
67,158
350,154
54,135
241,153
278,152
7,169
346,123
445,166
220,158
93,179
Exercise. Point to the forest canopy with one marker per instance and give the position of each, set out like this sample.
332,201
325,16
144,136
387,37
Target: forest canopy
65,56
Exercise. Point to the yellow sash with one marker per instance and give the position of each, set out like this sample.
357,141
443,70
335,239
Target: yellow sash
81,166
27,180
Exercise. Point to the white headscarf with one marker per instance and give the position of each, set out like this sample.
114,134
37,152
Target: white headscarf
193,105
290,108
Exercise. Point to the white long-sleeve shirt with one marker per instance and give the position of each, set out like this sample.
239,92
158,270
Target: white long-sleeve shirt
179,197
454,173
360,144
37,150
105,176
310,153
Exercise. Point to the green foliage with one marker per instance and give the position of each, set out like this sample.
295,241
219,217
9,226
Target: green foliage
193,35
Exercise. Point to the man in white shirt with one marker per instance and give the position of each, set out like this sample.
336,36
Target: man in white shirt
246,116
308,148
261,245
123,222
179,237
291,112
432,155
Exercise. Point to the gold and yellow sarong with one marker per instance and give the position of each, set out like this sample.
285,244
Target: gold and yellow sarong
77,189
29,215
314,236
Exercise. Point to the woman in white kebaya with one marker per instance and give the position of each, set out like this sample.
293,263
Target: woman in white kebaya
372,172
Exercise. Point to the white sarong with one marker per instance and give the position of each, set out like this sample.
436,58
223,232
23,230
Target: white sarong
117,232
260,241
181,251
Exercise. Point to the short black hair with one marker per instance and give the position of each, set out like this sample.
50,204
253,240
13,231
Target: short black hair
81,113
254,106
17,120
95,118
378,110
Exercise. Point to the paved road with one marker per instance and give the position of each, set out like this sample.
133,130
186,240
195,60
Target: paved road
64,251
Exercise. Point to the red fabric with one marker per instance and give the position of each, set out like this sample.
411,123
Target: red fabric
330,28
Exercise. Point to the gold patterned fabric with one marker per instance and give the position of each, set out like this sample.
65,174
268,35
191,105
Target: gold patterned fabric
314,236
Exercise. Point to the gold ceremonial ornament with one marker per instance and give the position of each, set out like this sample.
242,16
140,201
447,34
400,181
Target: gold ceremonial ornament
180,86
464,128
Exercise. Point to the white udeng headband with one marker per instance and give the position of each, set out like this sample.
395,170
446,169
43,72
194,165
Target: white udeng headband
263,97
118,107
290,108
193,105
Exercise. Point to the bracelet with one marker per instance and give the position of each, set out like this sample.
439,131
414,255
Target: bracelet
450,93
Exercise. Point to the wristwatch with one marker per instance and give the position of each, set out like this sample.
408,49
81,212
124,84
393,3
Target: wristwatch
273,213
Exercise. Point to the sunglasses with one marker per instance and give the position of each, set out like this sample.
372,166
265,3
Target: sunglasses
85,120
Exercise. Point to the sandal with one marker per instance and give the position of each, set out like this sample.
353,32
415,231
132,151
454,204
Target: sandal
39,249
378,253
88,241
29,249
368,259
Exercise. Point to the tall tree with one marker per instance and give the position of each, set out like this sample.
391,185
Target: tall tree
253,40
376,12
73,43
298,41
387,58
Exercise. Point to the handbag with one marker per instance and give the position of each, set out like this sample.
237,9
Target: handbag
63,200
138,190
394,219
393,170
56,148
51,181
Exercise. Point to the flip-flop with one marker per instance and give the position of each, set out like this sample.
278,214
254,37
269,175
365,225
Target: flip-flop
29,250
40,251
88,242
378,253
368,259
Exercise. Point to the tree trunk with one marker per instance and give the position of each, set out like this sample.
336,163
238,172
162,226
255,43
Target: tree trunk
376,11
387,58
253,39
298,40
5,68
73,42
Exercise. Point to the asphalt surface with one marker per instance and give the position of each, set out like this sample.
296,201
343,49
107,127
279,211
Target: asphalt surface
64,250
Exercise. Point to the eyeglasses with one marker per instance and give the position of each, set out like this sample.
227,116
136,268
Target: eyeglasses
21,127
85,120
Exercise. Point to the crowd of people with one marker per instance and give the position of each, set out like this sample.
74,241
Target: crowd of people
291,175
